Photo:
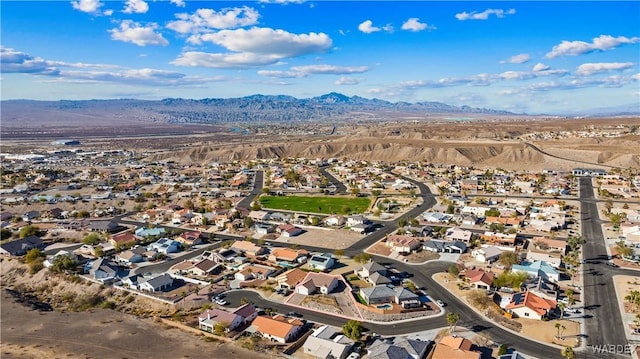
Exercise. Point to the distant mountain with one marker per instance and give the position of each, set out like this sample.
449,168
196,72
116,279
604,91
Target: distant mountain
255,108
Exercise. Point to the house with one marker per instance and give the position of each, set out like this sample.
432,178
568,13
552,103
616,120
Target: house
291,278
550,245
398,348
543,289
21,246
262,228
253,271
248,248
321,262
190,238
368,269
247,311
287,255
208,320
165,246
478,278
436,217
49,261
529,305
143,232
156,284
499,238
553,259
356,219
441,246
102,269
486,254
123,240
403,244
205,267
317,282
103,226
450,347
327,343
334,220
278,328
380,294
377,279
458,234
288,230
130,256
538,269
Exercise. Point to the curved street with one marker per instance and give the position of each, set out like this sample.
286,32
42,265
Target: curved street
601,304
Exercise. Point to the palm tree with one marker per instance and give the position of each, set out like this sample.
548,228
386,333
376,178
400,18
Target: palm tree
562,329
633,298
452,319
561,306
568,352
558,325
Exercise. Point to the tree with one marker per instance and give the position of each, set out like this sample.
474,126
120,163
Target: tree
453,270
362,257
98,251
29,230
353,329
91,239
623,250
502,349
561,307
558,325
63,263
5,233
339,252
248,222
508,259
220,328
568,352
402,222
452,320
633,298
33,255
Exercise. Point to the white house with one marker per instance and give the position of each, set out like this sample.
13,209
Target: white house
317,282
156,284
488,254
327,342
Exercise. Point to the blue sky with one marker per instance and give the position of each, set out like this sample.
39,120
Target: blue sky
534,57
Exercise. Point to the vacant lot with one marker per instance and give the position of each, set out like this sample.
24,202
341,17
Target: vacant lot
319,204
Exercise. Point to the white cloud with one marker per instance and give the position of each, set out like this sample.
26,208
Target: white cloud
281,74
13,61
228,60
140,35
88,6
484,15
516,75
330,69
517,59
414,24
348,81
388,28
367,27
636,77
178,3
206,20
108,12
540,67
592,68
600,43
264,40
135,6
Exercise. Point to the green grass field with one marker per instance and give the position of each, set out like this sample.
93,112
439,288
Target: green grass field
328,205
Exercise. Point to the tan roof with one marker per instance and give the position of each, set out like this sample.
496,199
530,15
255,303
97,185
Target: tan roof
294,276
533,302
475,275
277,326
285,253
126,237
319,279
454,348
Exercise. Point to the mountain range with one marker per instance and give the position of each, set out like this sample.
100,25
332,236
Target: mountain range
255,108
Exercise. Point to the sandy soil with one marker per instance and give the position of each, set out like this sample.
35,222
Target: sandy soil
100,333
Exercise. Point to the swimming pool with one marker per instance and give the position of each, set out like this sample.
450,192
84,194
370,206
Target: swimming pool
384,306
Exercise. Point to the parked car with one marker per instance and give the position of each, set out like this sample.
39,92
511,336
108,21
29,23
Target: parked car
294,314
573,310
221,302
440,303
613,265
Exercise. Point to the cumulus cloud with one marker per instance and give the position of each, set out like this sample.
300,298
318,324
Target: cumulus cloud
178,3
600,43
516,75
224,60
264,40
206,20
13,61
88,6
347,81
592,68
281,74
367,27
517,59
135,6
540,67
500,13
414,24
133,32
636,77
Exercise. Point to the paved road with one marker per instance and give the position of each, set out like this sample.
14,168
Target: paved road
605,326
340,187
258,183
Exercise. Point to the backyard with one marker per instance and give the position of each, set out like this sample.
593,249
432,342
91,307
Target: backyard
317,204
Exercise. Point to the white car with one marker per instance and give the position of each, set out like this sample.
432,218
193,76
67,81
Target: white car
440,303
221,302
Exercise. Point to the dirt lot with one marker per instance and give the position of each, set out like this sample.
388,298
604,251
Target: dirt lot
330,239
100,333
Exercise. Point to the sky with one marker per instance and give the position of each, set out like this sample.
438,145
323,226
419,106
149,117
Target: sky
526,57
